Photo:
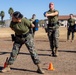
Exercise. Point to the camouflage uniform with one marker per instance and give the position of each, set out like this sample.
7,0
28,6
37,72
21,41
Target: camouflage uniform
21,27
53,32
22,36
71,26
35,22
33,29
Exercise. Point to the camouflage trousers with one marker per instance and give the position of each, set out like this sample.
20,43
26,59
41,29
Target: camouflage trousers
29,42
53,35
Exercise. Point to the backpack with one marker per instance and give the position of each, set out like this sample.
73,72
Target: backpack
36,24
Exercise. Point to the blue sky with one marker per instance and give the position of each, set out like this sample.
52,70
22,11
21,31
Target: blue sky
38,7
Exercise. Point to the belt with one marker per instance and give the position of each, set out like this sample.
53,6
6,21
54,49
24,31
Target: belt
52,24
23,35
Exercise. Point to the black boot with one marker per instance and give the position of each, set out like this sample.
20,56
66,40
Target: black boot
52,54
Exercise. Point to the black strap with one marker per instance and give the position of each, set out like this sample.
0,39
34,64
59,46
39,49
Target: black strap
23,35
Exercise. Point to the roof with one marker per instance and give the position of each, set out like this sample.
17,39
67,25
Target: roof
64,17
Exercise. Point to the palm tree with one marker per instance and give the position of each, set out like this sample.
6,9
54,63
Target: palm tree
10,11
2,14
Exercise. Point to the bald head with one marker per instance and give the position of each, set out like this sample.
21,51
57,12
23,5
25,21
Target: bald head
51,5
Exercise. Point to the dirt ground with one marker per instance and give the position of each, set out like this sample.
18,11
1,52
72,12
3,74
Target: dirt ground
64,64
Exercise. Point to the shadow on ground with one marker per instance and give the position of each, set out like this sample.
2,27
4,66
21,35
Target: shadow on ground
1,53
18,69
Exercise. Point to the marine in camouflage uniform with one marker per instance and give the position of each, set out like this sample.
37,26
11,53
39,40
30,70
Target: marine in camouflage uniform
70,27
34,21
53,28
22,36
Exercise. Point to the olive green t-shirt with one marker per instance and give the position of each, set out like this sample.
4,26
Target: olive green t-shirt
32,20
21,27
71,22
52,19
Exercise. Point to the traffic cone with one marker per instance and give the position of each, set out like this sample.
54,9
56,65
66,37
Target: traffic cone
5,64
51,67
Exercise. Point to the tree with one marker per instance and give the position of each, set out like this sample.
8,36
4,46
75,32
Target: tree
10,11
2,14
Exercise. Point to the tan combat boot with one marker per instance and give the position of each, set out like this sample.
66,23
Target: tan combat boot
56,52
39,70
6,69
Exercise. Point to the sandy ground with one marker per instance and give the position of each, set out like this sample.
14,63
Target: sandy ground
64,64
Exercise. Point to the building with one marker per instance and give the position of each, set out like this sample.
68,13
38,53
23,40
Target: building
7,23
63,20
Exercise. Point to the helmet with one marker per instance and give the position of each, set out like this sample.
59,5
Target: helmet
17,14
